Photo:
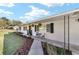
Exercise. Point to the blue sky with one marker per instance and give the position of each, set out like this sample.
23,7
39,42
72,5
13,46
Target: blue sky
28,12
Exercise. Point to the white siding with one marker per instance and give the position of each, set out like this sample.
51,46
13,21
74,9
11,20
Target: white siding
74,31
33,31
58,34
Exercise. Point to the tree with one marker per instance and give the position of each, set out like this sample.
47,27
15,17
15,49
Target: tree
4,18
16,22
6,21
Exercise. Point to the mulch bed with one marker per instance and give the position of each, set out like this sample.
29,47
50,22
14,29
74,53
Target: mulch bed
24,49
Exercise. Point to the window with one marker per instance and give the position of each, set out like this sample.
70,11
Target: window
50,27
25,28
36,28
19,28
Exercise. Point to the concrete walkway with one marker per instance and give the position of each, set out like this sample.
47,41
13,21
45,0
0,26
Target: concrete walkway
36,48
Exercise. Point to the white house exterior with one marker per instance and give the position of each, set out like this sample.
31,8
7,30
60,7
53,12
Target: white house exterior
65,30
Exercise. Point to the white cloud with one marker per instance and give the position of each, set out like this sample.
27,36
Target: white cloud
35,13
7,4
52,4
5,13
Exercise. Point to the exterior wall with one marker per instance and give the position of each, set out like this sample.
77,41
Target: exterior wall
74,31
19,30
15,27
33,31
74,34
22,30
58,34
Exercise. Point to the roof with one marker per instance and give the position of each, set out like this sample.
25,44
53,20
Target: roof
57,15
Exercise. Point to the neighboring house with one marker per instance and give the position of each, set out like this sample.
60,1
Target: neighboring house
15,27
22,29
62,30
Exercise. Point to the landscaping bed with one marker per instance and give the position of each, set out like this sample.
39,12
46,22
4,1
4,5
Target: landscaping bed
49,49
25,48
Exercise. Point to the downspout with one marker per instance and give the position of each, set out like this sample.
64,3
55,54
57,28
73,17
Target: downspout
46,42
64,35
68,33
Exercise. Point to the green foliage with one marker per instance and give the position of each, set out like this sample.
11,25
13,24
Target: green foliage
16,22
11,43
4,22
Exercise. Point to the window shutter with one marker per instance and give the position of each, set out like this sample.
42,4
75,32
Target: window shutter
51,27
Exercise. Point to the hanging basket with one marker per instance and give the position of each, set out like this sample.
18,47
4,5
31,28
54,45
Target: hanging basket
39,24
32,25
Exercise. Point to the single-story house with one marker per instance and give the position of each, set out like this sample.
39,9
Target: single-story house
61,30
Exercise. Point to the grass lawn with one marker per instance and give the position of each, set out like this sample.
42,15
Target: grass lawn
11,43
2,32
